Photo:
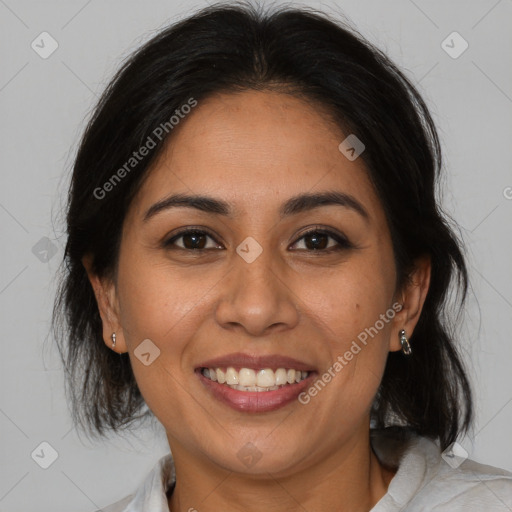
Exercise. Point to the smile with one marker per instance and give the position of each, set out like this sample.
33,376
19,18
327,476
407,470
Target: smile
248,379
252,383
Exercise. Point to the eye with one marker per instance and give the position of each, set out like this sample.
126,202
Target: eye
317,240
192,239
314,240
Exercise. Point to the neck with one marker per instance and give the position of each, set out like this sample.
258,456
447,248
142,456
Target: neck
349,479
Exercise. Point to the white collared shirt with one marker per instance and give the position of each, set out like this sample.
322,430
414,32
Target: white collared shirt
424,482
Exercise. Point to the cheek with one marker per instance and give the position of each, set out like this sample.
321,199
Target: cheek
165,307
157,302
352,308
350,299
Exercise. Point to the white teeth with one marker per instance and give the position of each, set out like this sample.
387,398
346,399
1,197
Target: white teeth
265,378
247,379
221,376
231,376
281,378
252,388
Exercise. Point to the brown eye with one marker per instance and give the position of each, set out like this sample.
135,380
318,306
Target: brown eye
193,240
318,240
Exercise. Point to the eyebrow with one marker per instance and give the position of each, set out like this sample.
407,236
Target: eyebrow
294,205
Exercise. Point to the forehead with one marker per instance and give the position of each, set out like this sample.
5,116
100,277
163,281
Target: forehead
255,149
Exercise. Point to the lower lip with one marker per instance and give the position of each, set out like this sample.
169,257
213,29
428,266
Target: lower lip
255,401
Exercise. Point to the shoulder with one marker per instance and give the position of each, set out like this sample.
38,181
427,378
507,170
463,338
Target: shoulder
428,480
470,487
448,484
151,493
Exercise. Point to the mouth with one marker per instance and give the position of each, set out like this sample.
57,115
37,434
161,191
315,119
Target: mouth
248,379
255,384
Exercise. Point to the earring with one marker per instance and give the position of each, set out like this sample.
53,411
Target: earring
113,336
406,346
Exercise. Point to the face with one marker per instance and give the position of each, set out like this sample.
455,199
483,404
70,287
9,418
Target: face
263,277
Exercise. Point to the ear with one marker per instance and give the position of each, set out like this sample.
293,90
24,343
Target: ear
108,306
412,297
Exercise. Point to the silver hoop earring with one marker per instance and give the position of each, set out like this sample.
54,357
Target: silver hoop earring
113,336
406,346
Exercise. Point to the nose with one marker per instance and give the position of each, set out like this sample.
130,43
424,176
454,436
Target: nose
258,296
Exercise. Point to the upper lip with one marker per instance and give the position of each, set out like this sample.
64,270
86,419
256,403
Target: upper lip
239,359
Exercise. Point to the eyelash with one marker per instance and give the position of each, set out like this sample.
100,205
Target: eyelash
342,242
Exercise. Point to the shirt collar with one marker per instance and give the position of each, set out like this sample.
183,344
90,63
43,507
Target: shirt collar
151,496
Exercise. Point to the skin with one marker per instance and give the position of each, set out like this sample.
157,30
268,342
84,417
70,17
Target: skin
255,150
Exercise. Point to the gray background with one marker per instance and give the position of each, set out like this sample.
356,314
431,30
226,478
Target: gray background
43,106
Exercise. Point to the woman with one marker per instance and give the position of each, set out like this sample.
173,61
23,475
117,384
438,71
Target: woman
257,258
